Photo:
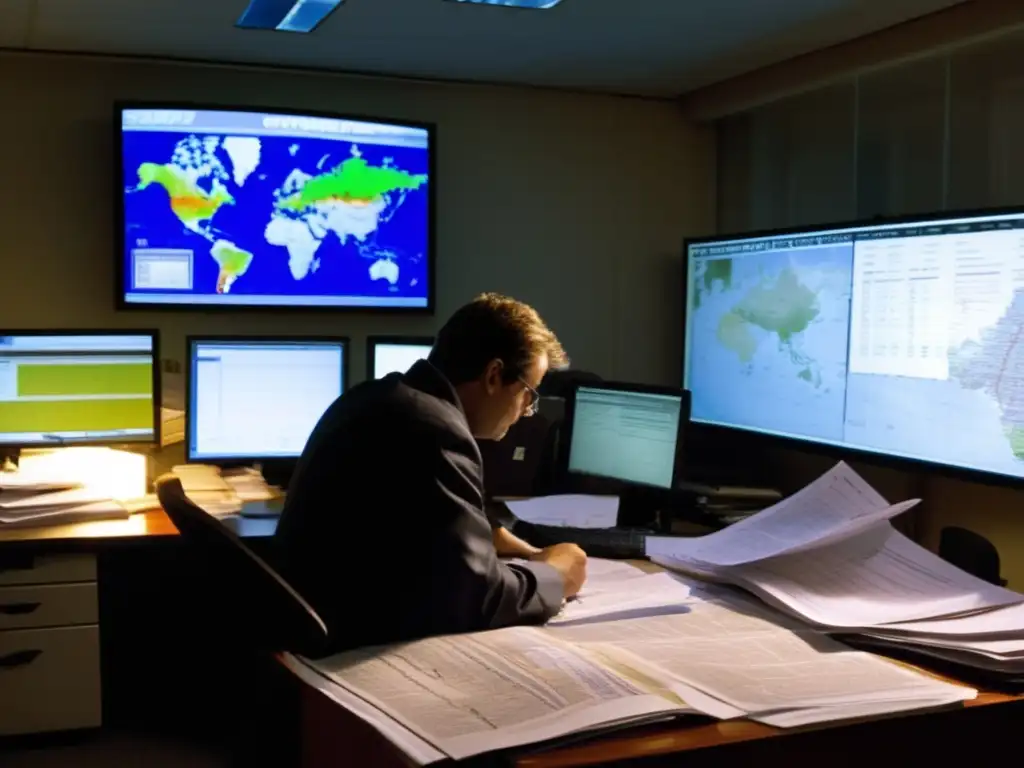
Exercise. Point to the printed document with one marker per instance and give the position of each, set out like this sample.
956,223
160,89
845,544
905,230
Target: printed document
610,600
753,663
568,510
838,505
853,586
469,694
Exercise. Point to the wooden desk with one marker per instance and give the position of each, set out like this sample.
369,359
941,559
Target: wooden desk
111,597
332,737
95,536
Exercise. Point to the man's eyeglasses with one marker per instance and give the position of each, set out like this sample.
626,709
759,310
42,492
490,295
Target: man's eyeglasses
531,407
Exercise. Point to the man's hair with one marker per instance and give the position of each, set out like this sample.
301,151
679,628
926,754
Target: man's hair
494,327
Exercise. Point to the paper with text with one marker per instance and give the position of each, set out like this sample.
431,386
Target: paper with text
652,592
469,694
1000,622
836,506
846,585
754,663
568,511
412,746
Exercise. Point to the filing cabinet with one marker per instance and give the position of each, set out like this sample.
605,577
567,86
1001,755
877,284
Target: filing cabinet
49,645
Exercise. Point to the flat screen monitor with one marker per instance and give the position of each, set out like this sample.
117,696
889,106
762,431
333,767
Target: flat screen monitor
232,208
901,340
626,432
394,354
78,388
258,399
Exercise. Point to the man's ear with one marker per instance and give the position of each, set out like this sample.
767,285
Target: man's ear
492,375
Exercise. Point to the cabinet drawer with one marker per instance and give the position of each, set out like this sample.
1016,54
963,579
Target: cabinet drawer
17,568
48,605
49,680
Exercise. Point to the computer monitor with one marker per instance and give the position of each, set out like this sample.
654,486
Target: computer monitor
251,400
234,207
900,340
78,388
394,354
630,433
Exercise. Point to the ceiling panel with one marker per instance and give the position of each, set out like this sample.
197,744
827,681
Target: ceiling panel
650,47
15,18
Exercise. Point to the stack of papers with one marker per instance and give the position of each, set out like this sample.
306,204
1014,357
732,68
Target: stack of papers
30,504
829,556
634,647
223,493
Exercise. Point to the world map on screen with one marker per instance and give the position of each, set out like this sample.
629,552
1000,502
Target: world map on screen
769,335
280,215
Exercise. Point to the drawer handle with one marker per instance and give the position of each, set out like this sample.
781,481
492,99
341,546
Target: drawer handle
19,658
19,609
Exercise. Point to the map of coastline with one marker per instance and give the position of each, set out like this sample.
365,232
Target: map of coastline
995,365
768,343
353,199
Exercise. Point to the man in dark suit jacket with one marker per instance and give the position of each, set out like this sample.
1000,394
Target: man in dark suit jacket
384,530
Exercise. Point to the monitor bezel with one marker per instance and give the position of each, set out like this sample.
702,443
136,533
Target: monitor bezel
920,467
154,334
120,278
191,340
565,441
376,340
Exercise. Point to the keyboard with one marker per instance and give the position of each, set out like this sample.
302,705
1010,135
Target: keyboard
614,543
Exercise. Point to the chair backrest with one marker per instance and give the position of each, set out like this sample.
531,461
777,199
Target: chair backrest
273,614
971,552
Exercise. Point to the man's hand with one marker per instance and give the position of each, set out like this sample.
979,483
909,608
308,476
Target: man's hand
507,544
570,561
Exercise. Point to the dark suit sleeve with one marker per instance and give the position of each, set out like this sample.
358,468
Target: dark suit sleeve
479,590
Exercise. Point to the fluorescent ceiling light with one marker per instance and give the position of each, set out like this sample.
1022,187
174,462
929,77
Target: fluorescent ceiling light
286,15
540,5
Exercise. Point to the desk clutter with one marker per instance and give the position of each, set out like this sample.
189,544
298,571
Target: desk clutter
69,485
747,622
221,492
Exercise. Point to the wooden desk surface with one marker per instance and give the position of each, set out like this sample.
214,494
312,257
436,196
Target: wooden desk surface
152,525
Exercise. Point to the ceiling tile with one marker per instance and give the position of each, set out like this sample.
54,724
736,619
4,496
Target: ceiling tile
646,47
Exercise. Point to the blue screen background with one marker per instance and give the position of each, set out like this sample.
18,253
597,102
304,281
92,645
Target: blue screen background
343,270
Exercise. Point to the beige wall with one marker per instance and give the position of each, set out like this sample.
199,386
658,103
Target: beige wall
576,203
939,132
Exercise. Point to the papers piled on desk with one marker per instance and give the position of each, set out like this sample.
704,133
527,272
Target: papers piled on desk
829,556
690,649
222,493
70,485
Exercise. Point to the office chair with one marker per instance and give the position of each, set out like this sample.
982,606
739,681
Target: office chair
265,609
971,552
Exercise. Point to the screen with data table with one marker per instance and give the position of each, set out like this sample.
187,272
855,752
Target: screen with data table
902,340
67,388
253,400
624,435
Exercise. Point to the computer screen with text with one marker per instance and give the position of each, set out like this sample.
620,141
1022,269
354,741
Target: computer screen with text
252,400
627,436
62,388
901,340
